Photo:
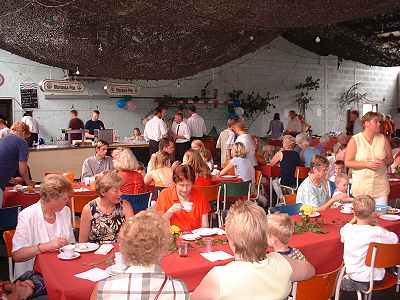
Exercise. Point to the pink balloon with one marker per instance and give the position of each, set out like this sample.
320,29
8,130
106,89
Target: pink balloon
131,105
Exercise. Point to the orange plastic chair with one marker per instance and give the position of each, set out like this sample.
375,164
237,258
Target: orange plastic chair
319,287
8,236
379,256
289,199
77,204
211,193
301,173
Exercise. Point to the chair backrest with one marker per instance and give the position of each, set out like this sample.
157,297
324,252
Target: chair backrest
237,189
319,287
290,199
258,176
79,201
301,172
9,217
291,210
332,188
211,192
386,255
138,202
8,236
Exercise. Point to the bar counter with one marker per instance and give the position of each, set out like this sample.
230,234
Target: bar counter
67,158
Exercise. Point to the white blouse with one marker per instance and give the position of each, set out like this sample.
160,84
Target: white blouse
32,230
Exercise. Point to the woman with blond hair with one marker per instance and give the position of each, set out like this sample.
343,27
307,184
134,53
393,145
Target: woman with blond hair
253,274
126,164
203,173
204,152
368,154
288,159
161,174
144,239
240,163
44,226
102,217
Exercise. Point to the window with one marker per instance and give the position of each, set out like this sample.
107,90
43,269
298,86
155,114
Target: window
369,107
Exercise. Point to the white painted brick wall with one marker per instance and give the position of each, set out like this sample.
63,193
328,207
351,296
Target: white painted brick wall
276,67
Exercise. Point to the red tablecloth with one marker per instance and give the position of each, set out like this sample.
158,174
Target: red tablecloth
12,198
270,171
221,179
394,191
324,251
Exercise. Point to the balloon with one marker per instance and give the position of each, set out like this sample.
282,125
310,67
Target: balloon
236,103
121,103
131,105
239,111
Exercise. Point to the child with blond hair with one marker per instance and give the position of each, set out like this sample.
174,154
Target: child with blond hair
356,236
280,230
243,166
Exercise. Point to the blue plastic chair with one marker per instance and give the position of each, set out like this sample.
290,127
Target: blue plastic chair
332,187
291,210
9,217
138,202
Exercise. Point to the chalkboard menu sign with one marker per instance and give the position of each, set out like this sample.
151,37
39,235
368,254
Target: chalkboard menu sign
29,96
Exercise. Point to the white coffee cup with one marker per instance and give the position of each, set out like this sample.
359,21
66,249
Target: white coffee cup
68,251
119,260
187,206
347,208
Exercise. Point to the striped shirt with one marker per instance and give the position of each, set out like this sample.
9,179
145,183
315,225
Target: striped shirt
142,283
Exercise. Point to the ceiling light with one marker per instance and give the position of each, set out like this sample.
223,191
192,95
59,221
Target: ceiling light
77,71
317,39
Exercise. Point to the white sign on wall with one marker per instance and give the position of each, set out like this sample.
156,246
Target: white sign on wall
61,86
121,89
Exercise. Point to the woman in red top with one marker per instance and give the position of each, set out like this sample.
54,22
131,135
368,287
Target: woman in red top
182,205
202,172
126,164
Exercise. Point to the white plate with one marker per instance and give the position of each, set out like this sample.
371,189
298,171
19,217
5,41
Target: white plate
115,269
61,256
346,211
190,237
86,247
315,214
390,217
394,179
31,193
394,211
205,231
228,176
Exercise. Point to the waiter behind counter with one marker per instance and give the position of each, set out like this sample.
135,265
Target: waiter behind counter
76,123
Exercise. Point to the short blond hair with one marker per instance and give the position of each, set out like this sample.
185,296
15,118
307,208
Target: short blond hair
340,177
107,181
161,160
126,161
53,186
239,150
281,226
288,142
246,229
144,238
369,116
363,206
197,144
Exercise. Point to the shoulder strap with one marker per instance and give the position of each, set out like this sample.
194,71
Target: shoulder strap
161,287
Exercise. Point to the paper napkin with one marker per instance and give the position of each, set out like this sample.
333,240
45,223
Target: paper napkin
95,274
216,255
104,249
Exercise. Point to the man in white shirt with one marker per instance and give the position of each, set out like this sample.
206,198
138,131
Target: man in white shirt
33,127
294,124
243,137
225,141
196,124
181,133
4,130
155,129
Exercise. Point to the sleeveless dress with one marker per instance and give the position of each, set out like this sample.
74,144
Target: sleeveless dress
374,183
105,227
290,160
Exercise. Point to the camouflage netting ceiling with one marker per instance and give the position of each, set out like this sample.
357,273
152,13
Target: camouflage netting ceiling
168,39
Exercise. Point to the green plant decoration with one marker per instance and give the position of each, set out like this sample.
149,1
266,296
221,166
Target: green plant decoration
305,96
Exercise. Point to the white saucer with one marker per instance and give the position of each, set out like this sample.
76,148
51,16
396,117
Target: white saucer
315,214
61,256
346,211
390,217
86,247
228,176
115,269
204,231
190,237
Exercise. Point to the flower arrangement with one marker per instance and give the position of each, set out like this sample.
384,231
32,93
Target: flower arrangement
175,232
306,225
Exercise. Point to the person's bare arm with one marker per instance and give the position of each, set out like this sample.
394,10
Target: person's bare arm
389,156
26,253
276,159
330,202
23,171
208,289
148,179
204,221
301,269
225,170
84,226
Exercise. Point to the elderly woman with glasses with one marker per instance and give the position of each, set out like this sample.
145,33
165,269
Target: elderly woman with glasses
314,189
254,274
